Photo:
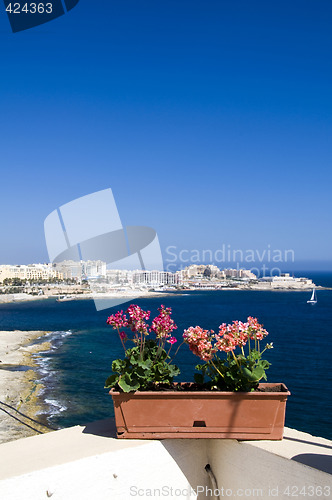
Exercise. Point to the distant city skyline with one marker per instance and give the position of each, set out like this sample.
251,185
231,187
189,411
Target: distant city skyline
98,273
211,122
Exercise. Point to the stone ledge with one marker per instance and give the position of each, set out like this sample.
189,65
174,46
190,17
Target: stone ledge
67,445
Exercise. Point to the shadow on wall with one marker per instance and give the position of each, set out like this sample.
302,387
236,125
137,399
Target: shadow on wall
191,457
318,461
315,460
104,428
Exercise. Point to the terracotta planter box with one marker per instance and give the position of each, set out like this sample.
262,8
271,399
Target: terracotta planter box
201,414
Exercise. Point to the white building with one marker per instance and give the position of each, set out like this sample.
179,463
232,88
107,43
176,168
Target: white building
239,274
287,281
119,276
155,278
94,268
32,272
81,269
198,270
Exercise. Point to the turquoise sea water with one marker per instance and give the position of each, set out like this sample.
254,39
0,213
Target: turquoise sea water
83,346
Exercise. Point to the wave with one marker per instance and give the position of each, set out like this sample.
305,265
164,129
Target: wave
57,335
52,408
48,376
56,406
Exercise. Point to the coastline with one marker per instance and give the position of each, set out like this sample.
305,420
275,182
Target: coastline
276,289
24,297
8,298
136,294
19,386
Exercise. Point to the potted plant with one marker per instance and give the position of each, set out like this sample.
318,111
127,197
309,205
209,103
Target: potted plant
145,366
226,400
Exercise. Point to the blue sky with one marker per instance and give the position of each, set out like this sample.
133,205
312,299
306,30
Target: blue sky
210,120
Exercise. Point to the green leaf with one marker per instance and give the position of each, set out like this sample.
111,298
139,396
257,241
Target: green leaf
118,365
145,364
259,372
250,375
265,364
255,375
127,384
111,381
174,370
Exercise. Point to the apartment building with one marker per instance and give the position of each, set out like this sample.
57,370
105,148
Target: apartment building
32,272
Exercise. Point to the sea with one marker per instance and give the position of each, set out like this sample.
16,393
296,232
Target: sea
83,346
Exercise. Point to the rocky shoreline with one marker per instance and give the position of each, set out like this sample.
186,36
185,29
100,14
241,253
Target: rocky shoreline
19,386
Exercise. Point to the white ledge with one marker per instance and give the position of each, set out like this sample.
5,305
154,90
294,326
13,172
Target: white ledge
85,462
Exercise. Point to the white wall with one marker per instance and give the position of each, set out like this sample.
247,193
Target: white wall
244,470
74,464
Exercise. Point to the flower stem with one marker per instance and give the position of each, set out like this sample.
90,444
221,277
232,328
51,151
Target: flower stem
141,347
159,349
214,366
121,339
176,352
236,361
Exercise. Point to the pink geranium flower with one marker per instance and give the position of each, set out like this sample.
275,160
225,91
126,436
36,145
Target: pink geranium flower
205,344
172,340
163,324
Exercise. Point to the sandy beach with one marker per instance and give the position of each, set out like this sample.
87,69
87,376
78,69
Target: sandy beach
19,388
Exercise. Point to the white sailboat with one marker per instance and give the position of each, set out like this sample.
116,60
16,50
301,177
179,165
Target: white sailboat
313,299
